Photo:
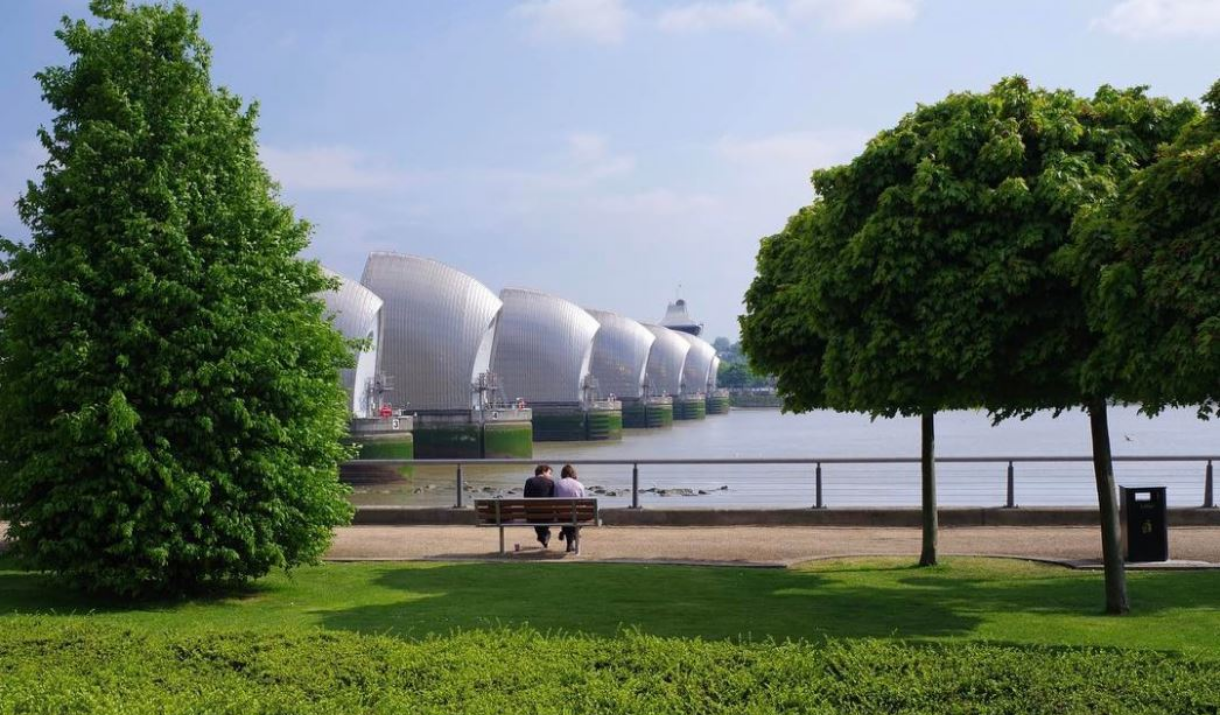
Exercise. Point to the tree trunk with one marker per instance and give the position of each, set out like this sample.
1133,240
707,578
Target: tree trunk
1107,504
927,468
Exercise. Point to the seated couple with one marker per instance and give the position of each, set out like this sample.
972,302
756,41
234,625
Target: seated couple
542,486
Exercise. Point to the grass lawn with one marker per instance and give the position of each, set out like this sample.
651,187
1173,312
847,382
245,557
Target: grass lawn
853,636
965,599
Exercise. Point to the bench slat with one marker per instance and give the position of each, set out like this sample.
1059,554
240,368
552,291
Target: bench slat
536,511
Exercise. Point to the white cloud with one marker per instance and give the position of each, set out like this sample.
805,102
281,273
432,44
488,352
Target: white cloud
1162,18
792,151
593,159
655,202
333,168
601,21
588,146
704,16
585,161
854,14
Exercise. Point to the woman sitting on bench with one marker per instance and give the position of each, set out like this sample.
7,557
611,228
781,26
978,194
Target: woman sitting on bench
569,486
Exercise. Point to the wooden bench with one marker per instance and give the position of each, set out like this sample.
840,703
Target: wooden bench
555,511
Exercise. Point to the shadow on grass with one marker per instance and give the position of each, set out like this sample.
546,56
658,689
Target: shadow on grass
676,601
889,601
852,600
38,593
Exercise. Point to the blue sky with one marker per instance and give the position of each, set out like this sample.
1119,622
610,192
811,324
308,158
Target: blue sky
605,150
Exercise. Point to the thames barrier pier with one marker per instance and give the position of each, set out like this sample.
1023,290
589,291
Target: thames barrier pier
541,354
619,368
438,325
447,369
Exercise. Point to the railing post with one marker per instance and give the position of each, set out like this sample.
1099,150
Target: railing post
635,486
1011,501
1209,494
461,488
818,503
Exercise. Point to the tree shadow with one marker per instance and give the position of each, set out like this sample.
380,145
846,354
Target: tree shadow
677,601
726,602
37,593
849,600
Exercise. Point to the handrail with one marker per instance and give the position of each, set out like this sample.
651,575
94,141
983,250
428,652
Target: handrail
1010,461
791,460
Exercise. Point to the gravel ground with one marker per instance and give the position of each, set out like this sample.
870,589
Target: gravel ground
745,544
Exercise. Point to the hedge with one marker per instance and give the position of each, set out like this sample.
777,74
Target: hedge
52,665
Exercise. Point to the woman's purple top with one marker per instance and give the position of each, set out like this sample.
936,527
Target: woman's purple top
569,488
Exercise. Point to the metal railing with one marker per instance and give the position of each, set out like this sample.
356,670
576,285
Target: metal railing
813,488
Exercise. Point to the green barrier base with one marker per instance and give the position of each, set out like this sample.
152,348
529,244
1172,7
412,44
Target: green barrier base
578,426
604,426
508,440
498,440
641,415
690,408
394,445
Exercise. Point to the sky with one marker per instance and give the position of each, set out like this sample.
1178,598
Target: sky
618,153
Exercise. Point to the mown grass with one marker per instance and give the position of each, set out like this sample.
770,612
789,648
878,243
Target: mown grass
963,600
56,665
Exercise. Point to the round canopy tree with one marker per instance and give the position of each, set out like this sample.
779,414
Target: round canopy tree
1149,262
170,409
933,280
942,287
776,333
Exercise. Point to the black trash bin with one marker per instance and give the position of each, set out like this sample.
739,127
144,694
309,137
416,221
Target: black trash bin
1145,526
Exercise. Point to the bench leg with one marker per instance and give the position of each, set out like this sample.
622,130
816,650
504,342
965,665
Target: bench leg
576,538
501,540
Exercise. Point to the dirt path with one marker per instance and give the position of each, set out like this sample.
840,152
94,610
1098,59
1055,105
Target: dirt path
746,544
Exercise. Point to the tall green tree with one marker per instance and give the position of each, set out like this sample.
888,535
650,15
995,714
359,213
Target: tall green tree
170,409
1149,263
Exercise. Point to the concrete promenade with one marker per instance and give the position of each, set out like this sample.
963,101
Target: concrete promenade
747,545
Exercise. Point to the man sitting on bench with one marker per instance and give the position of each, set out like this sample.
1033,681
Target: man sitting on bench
541,486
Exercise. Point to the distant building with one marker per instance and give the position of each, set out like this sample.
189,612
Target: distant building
677,318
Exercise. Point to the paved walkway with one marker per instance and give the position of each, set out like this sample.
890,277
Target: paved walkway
746,545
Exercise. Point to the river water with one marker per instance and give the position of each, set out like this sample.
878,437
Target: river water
761,433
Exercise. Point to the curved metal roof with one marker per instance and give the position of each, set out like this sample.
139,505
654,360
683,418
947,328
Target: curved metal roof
620,355
664,373
436,330
714,377
697,369
356,313
542,347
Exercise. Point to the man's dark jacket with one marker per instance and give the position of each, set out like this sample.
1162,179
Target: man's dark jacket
539,487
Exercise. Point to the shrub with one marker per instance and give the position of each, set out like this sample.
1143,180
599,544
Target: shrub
78,667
